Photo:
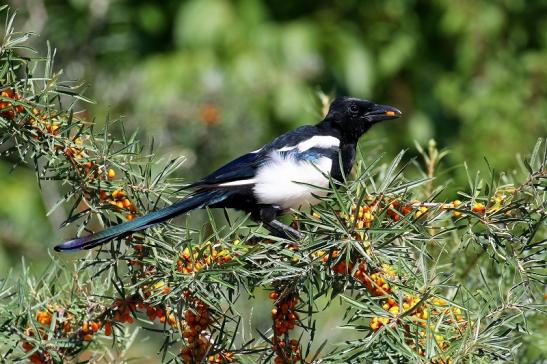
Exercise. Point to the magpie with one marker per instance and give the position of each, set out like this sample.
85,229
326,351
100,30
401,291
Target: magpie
290,172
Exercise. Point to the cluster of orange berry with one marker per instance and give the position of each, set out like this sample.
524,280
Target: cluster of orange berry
50,124
160,313
190,262
123,309
119,199
38,357
194,327
390,305
89,328
440,341
341,267
74,151
44,318
439,306
420,311
7,109
44,123
376,283
135,242
285,317
363,216
76,154
396,209
224,357
196,323
63,328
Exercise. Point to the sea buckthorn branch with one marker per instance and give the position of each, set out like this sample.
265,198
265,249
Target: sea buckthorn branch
285,317
60,328
68,145
79,331
498,215
37,127
408,311
195,325
100,175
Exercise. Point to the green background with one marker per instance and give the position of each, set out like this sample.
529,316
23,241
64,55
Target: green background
211,79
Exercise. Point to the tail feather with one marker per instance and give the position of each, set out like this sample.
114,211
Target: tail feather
192,202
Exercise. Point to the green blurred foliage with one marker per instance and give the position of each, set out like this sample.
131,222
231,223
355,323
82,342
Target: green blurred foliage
471,74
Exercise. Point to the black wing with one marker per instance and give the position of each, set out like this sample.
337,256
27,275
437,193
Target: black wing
239,169
244,167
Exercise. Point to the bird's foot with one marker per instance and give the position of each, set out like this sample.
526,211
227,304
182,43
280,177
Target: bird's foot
281,230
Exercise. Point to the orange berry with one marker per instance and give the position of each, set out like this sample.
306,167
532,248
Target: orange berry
36,358
118,194
172,320
405,210
455,204
108,329
103,195
130,217
111,173
27,346
274,295
43,317
479,208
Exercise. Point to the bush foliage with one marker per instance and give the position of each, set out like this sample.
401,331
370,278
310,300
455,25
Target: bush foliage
420,280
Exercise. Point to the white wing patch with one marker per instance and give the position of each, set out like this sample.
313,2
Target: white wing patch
242,182
279,181
318,141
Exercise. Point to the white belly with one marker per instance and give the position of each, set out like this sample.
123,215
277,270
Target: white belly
289,183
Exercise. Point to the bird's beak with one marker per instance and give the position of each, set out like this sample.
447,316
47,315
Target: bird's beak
383,112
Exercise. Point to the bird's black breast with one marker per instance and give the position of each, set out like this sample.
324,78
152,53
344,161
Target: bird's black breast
343,163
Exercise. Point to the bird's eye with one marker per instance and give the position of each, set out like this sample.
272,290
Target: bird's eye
353,108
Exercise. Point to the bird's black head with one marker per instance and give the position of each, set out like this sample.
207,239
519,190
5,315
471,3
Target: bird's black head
355,116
